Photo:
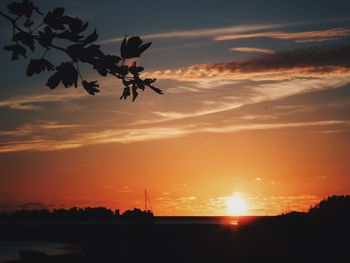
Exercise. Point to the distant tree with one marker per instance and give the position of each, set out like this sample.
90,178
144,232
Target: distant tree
137,215
336,205
57,27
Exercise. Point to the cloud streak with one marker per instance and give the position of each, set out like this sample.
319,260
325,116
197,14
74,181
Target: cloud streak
252,50
46,143
300,37
206,32
298,63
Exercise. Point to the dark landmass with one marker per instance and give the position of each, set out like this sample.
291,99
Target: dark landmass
321,235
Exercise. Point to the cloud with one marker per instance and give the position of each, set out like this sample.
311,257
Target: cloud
46,143
206,32
252,50
26,102
254,92
186,198
283,65
27,129
309,36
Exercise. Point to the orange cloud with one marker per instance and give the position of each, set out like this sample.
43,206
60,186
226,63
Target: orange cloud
284,65
47,143
205,32
252,50
317,35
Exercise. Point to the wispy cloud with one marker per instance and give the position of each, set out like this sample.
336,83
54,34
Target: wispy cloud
252,50
256,92
46,143
308,36
205,32
297,63
28,102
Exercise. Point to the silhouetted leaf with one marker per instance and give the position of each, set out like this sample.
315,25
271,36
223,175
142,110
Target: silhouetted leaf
54,80
69,36
25,38
134,92
90,38
36,66
91,87
16,51
75,51
135,70
16,8
149,81
80,48
25,8
76,25
159,91
53,18
65,73
123,70
132,47
144,47
126,93
46,36
28,23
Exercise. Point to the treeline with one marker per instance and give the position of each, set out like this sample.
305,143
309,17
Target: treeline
336,206
76,214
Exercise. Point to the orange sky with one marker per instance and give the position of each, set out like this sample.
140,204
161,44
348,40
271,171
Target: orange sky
253,105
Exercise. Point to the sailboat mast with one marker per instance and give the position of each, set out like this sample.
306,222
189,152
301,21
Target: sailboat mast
146,208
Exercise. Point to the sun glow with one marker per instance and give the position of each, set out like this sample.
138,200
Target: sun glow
236,206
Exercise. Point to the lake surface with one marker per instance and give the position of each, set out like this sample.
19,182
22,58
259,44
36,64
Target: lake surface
9,250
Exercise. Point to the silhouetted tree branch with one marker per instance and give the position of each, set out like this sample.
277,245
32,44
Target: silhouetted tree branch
80,48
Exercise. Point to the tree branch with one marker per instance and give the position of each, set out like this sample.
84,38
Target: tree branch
14,24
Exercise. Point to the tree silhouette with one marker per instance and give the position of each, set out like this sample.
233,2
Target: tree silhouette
56,26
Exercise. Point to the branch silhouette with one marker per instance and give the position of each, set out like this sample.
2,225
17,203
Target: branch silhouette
56,26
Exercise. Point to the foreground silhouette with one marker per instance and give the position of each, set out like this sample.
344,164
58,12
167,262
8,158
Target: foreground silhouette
76,214
321,235
57,27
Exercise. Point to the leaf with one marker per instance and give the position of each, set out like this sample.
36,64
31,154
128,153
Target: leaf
159,91
134,92
126,93
133,47
54,80
90,38
46,36
28,23
76,25
66,73
148,82
75,51
53,19
123,70
59,11
36,66
144,47
25,38
16,8
69,36
91,87
25,8
135,70
16,51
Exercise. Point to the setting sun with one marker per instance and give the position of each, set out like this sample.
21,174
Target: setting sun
236,206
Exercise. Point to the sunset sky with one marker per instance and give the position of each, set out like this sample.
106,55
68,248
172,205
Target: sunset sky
256,104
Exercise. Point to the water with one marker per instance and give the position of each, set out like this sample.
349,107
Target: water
206,220
9,250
